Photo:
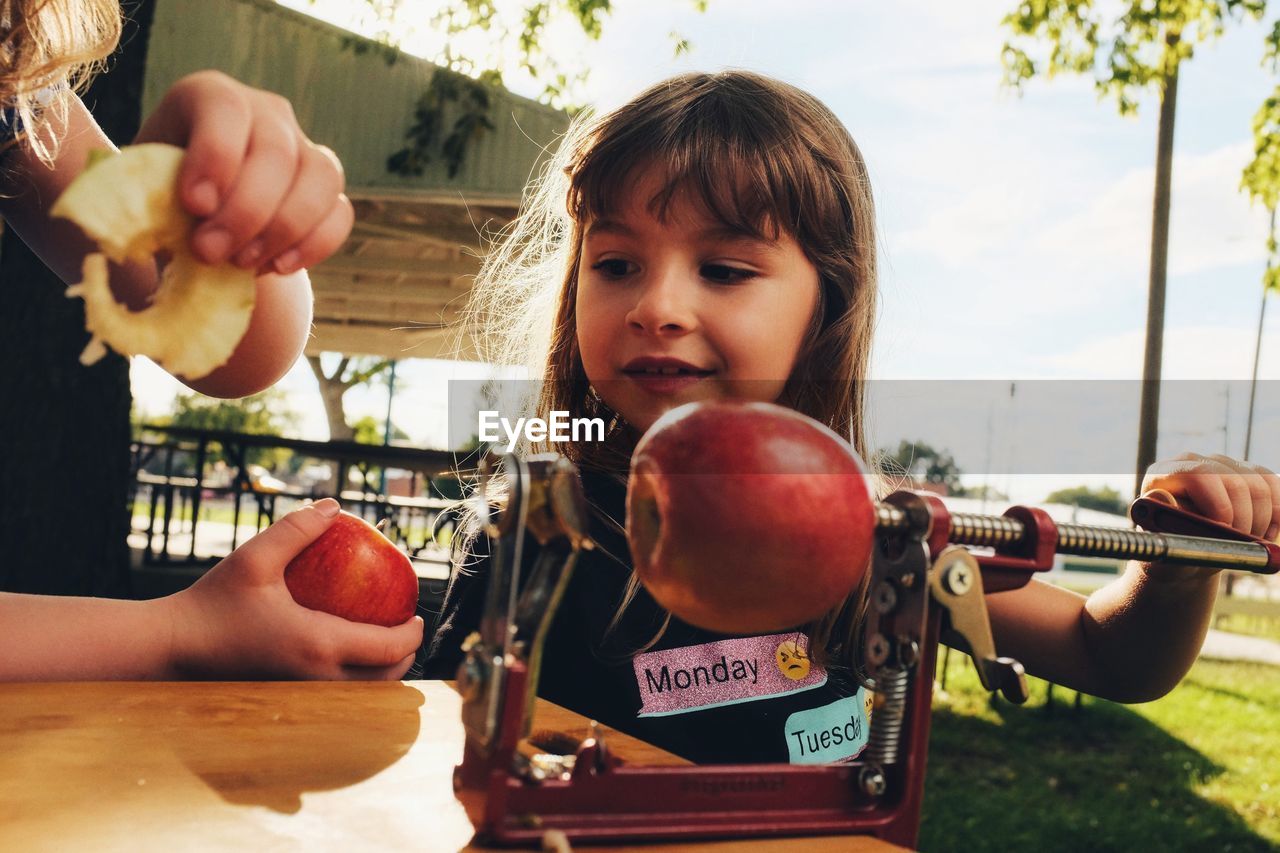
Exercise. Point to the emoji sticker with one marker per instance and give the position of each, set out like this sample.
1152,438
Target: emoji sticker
793,661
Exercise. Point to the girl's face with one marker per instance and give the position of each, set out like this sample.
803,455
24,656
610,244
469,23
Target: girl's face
673,311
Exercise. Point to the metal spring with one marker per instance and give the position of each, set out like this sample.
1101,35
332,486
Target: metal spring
889,517
1110,542
886,722
993,531
987,531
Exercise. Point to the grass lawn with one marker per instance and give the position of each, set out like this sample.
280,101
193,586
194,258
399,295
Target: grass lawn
1253,626
1196,770
220,512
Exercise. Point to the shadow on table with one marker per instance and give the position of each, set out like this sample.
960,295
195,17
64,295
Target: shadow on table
343,734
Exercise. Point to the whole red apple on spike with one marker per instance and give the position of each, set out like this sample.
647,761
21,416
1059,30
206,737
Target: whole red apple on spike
355,572
747,518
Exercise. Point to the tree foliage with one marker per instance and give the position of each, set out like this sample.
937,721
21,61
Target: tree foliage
921,463
262,414
1136,50
370,430
470,100
1105,499
1261,178
484,41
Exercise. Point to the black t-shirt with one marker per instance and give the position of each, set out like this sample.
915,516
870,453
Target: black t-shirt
707,697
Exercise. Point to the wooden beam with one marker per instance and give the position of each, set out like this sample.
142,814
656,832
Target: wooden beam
386,342
507,202
453,236
373,265
387,315
387,291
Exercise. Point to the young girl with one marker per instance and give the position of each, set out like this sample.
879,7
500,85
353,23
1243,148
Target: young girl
266,199
715,237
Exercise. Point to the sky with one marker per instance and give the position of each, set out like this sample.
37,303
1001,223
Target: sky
1014,230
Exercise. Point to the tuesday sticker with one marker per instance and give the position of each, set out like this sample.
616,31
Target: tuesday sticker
835,732
726,672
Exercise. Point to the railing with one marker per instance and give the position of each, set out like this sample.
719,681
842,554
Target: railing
197,494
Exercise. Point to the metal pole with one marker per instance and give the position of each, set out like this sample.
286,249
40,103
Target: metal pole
391,393
1149,406
1257,349
386,430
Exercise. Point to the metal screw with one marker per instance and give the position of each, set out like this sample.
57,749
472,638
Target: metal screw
872,782
908,651
907,579
886,598
878,649
958,579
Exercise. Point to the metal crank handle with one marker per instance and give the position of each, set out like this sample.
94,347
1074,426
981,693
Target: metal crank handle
1170,535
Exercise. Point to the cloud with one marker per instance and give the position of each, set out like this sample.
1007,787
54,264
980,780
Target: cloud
1212,224
1190,353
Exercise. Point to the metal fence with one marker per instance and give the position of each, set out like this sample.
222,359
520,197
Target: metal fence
198,494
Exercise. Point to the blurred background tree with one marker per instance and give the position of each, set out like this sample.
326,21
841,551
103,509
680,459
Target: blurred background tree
262,414
346,372
921,464
1104,499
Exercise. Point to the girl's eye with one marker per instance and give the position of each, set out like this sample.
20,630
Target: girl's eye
613,267
723,274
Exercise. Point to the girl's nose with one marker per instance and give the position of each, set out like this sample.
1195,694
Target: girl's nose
664,305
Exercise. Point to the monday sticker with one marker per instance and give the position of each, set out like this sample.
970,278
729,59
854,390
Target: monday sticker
676,681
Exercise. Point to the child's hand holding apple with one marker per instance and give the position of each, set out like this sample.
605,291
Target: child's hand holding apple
240,619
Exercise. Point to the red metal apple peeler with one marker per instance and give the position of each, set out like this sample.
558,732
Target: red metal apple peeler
925,583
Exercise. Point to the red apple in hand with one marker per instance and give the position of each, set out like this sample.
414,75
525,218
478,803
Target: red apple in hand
747,518
355,572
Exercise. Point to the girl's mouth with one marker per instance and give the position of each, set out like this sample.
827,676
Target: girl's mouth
666,380
667,371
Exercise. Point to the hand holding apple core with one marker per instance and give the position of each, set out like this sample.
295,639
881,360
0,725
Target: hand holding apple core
747,518
355,572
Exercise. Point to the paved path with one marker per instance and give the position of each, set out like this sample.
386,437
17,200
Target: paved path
1220,645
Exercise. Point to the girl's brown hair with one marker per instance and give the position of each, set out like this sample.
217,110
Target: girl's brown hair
50,47
762,157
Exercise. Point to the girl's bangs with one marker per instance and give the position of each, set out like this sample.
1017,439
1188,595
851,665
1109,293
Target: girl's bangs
749,183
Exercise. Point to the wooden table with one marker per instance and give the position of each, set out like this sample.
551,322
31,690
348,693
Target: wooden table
257,766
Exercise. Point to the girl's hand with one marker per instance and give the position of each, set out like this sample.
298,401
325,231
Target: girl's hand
1240,494
270,199
239,619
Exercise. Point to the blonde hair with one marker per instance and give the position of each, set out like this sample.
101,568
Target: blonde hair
764,158
50,48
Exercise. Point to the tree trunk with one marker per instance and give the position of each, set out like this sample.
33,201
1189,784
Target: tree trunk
1149,408
332,390
64,464
1257,347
